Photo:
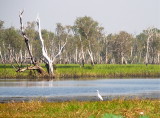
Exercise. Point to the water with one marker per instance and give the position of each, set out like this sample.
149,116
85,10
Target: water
27,88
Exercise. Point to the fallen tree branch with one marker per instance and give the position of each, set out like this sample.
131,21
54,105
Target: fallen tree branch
39,68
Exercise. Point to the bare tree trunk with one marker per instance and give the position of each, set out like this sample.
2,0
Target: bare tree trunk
131,51
76,55
113,60
106,57
140,56
106,47
82,52
150,34
83,61
91,56
26,39
25,56
2,60
20,55
90,53
147,51
158,57
123,59
48,61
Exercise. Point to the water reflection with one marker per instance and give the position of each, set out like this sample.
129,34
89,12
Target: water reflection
10,88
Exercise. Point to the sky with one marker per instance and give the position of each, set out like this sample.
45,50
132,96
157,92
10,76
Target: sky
132,16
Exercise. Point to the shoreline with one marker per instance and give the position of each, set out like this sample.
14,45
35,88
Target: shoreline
78,78
63,71
151,96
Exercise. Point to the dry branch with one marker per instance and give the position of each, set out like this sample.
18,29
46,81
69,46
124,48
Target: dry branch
26,39
36,67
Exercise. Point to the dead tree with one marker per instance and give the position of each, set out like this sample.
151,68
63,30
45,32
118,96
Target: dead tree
49,62
35,66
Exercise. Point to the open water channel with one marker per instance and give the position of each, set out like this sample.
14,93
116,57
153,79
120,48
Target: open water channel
64,90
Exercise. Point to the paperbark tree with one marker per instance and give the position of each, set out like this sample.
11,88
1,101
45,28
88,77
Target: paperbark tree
80,44
120,47
61,38
152,45
149,33
89,31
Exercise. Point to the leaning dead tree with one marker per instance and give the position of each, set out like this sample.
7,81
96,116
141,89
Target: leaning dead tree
47,60
35,66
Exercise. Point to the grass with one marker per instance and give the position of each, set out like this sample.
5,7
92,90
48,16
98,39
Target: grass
117,108
99,70
7,71
108,70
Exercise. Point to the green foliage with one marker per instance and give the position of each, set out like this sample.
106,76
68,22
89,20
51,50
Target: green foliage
120,46
143,117
13,39
86,41
7,71
111,116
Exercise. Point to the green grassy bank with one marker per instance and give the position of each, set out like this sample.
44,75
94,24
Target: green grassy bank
107,109
99,70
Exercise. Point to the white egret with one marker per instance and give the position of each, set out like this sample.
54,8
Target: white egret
141,113
99,96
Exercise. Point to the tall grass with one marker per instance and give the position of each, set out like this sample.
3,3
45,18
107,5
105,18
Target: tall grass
126,108
99,70
108,70
7,71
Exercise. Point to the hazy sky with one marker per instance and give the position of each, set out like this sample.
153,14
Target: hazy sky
132,16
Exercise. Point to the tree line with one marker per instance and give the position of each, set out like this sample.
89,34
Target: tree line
86,43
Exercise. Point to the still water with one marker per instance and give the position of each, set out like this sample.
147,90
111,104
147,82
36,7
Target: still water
27,88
